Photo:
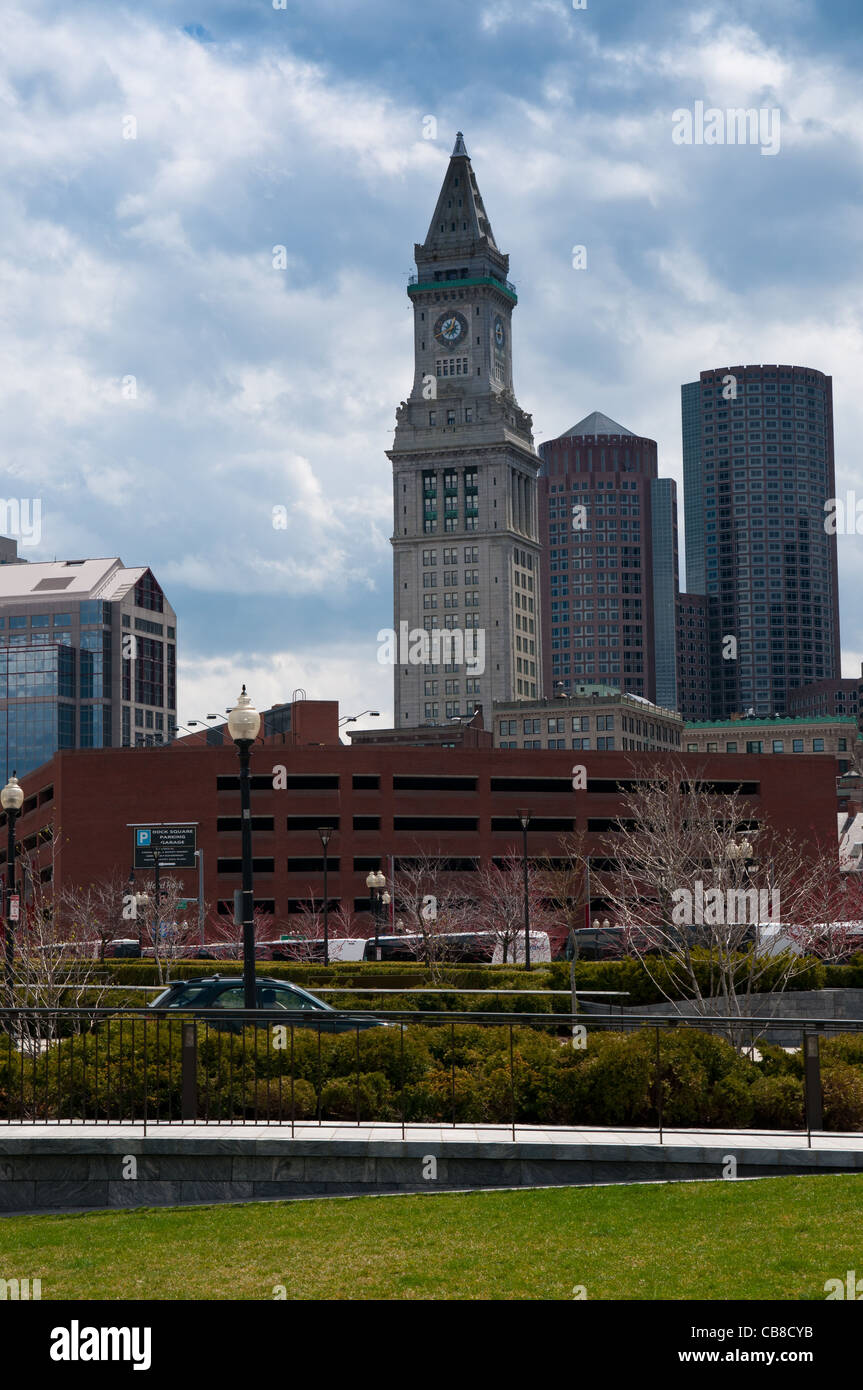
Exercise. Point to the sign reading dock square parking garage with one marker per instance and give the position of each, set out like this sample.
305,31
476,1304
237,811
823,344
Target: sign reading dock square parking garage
174,844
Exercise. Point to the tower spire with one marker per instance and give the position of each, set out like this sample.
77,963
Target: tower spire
460,216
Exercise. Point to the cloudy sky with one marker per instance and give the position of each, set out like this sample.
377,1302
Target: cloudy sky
164,387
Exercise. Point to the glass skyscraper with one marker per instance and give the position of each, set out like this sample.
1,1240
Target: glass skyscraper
758,468
87,659
663,495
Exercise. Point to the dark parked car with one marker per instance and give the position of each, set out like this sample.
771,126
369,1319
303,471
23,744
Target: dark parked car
226,992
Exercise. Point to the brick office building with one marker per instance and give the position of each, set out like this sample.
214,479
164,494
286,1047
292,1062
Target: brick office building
608,562
841,695
458,804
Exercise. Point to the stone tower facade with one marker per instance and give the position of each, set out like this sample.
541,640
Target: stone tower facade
466,536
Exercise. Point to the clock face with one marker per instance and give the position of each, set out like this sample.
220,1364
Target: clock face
499,333
451,330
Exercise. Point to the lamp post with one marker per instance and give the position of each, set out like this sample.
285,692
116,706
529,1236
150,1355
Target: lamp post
157,910
742,857
141,901
377,885
524,817
325,831
352,718
11,799
244,723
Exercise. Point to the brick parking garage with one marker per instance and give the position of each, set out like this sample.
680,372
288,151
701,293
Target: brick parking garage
457,803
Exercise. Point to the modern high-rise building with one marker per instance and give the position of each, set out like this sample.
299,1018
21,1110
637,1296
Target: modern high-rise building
757,471
465,536
666,586
693,657
608,526
87,659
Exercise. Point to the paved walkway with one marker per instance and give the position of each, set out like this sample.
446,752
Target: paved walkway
473,1135
86,1166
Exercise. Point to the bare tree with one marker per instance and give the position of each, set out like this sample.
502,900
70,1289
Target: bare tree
220,930
696,878
104,906
431,903
501,904
829,922
306,929
565,884
56,948
168,928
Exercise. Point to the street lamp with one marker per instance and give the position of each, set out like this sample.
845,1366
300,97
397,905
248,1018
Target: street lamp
524,817
325,831
740,851
377,885
352,718
244,724
141,900
11,799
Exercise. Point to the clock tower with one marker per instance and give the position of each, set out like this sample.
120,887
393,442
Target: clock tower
465,538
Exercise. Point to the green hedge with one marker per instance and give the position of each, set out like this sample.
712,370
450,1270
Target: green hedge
628,975
434,1074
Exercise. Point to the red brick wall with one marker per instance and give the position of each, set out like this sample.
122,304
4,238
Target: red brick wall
96,793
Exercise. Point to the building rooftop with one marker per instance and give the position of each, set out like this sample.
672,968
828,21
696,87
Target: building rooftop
597,423
579,694
770,722
105,578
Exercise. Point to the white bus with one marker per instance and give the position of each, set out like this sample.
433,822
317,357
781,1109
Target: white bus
469,947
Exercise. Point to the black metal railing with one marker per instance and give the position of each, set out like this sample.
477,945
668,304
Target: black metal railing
106,1066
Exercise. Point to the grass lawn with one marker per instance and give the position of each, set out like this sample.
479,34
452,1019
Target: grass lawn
771,1238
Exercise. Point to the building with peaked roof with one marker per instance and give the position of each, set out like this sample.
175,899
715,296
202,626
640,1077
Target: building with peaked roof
608,526
465,527
88,659
597,423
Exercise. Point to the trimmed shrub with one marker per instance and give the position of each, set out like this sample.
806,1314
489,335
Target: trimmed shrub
434,1073
777,1102
842,1089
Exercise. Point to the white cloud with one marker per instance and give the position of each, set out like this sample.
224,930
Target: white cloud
348,672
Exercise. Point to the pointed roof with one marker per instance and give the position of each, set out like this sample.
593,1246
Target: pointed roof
597,423
460,214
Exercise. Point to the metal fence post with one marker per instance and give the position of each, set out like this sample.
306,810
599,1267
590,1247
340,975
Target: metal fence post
658,1084
812,1076
189,1055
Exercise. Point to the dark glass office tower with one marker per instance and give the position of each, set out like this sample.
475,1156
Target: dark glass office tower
757,470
